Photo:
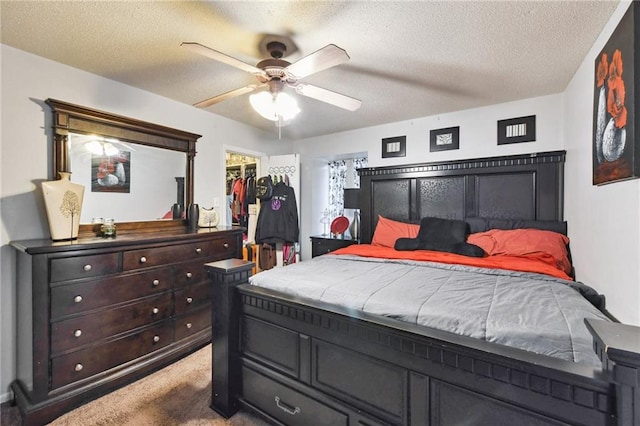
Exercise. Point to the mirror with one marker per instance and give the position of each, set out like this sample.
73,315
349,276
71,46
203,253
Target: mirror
133,171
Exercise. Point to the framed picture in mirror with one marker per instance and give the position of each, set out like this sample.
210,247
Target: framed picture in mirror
111,173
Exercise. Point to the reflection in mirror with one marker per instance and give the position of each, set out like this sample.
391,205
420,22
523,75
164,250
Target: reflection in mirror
124,181
133,171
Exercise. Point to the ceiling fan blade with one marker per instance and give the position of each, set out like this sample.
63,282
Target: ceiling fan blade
328,96
228,95
221,57
327,57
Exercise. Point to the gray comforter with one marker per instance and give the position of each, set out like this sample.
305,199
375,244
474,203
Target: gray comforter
529,311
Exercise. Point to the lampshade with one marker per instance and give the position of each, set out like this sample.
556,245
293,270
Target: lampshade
352,198
280,108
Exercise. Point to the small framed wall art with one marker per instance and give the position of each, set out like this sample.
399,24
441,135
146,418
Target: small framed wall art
445,139
394,147
516,130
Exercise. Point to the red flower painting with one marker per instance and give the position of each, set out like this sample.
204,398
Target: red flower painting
616,146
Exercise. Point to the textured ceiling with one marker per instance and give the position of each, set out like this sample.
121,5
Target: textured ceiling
408,59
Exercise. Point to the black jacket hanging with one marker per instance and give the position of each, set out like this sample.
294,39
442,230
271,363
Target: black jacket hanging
278,217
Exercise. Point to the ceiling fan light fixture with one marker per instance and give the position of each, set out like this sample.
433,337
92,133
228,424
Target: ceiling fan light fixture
279,107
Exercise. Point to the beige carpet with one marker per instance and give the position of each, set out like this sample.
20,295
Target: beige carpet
179,394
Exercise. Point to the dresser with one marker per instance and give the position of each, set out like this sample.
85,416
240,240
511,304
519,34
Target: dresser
325,244
96,314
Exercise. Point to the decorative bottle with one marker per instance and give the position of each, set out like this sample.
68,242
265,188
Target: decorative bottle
193,214
63,202
176,211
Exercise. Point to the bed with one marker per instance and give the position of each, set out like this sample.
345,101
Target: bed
371,335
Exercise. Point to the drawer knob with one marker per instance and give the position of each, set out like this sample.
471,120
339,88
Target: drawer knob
189,300
156,339
143,259
287,408
156,282
78,367
77,299
225,245
87,268
189,275
77,333
189,325
155,310
198,250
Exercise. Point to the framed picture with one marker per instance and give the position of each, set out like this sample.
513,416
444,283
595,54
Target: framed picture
445,139
516,130
616,148
111,173
394,147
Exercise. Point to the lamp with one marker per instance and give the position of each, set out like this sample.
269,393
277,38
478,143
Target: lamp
352,201
102,148
278,107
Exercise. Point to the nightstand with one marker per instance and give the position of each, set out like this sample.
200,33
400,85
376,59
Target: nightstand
323,244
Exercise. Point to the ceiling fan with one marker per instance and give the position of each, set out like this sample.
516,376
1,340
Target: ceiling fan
276,73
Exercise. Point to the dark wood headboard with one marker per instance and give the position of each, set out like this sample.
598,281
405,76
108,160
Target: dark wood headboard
524,187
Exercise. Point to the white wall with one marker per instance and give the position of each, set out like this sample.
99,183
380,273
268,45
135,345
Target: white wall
28,80
604,221
478,138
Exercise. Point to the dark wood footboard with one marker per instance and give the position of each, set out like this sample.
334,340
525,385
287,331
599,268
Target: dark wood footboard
303,362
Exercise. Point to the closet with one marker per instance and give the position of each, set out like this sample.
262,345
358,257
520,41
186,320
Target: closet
241,174
242,207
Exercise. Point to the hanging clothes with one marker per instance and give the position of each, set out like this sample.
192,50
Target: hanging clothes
238,197
278,217
288,253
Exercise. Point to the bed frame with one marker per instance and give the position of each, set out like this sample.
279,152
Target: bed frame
301,362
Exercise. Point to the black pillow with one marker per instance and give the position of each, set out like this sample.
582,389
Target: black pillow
443,231
447,235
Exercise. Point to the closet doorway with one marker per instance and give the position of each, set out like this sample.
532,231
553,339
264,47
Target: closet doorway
241,171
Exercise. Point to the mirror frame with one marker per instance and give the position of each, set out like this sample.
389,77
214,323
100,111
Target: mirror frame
70,118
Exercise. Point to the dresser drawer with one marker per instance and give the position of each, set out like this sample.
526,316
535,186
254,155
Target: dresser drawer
86,329
190,297
95,359
191,323
188,273
285,404
81,297
220,248
70,268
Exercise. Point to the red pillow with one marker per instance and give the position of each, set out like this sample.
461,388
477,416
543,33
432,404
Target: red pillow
523,242
388,231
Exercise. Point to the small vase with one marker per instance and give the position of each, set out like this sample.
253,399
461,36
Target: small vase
193,214
354,229
176,211
63,202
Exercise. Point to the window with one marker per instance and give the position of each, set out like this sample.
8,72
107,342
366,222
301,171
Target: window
343,174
